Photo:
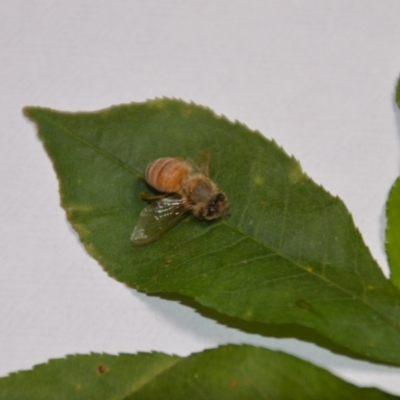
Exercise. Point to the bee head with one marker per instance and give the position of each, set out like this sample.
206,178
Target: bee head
216,207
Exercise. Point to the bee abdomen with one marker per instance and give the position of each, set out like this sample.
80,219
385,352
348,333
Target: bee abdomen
167,174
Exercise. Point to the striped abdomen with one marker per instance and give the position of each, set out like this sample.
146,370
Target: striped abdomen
167,174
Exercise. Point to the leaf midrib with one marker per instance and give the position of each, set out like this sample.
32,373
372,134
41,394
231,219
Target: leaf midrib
93,147
137,388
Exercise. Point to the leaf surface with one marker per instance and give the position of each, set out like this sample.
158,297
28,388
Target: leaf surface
287,253
228,372
393,222
393,232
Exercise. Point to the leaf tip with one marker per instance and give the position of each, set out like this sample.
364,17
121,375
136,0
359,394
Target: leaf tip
27,111
30,111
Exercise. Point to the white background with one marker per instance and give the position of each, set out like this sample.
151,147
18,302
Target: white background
318,77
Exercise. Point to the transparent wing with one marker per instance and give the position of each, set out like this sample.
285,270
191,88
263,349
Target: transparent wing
156,218
201,162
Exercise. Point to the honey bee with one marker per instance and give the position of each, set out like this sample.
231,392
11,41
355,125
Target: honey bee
185,186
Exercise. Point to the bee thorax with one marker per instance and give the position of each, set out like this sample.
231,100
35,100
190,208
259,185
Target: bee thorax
201,190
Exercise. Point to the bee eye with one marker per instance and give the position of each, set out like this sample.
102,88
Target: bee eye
214,207
211,210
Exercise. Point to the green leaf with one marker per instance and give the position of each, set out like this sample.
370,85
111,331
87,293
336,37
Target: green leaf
393,232
228,372
94,376
287,253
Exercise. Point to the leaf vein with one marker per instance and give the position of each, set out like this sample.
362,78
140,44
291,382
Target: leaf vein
389,321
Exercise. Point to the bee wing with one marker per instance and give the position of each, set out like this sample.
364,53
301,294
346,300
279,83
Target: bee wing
202,162
156,218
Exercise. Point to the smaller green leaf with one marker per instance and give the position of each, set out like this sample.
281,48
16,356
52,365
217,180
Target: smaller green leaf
393,232
228,372
94,376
